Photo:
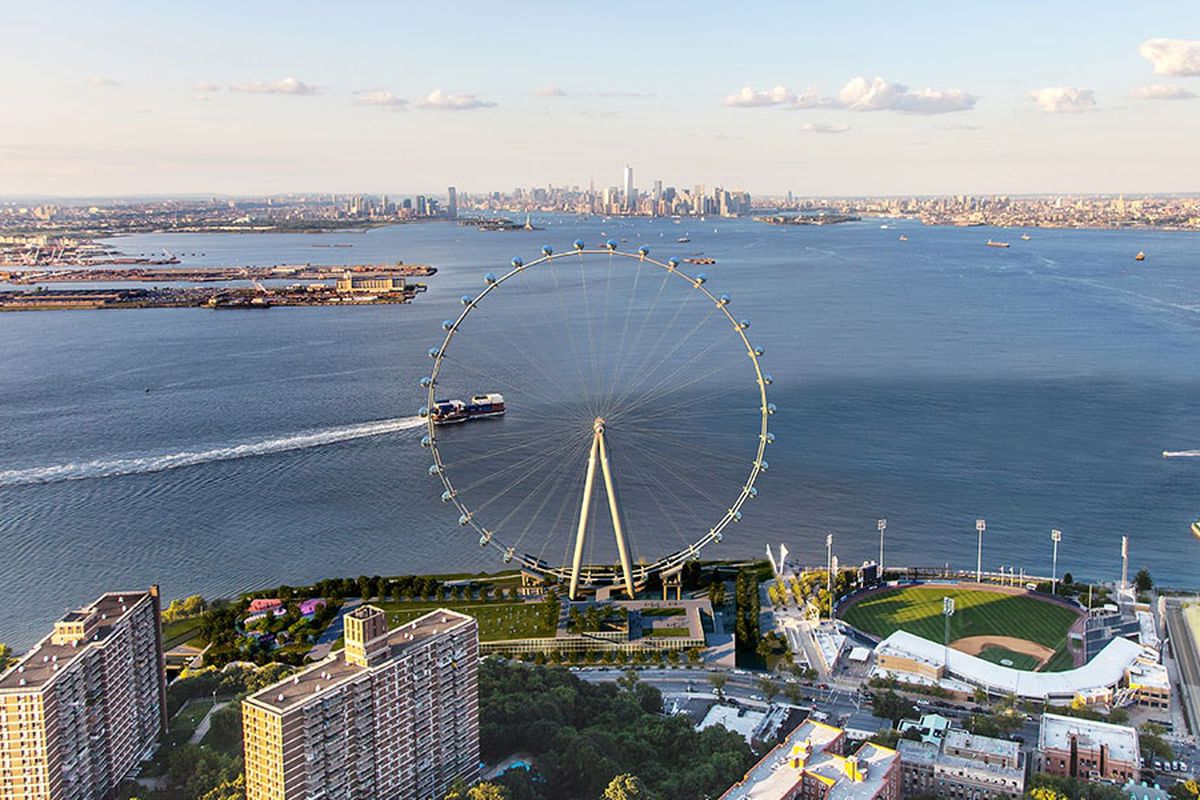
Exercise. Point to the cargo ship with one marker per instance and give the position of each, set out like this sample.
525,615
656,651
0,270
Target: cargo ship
480,406
1196,529
991,243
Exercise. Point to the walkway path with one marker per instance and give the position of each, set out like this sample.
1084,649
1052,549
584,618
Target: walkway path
205,723
331,634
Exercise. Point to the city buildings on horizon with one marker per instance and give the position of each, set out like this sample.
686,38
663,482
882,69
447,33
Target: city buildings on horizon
86,703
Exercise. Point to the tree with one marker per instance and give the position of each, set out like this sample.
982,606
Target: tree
718,681
487,791
890,705
625,787
5,655
628,680
1185,790
769,687
793,693
716,593
1142,581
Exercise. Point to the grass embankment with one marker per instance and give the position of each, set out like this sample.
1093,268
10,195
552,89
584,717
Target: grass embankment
918,610
496,620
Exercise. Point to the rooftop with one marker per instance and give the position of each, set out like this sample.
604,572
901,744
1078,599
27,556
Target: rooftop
40,665
983,745
1057,731
332,671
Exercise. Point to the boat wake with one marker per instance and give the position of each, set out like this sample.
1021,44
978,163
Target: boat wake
1181,453
111,468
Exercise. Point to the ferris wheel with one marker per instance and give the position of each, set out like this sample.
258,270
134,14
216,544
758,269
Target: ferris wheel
596,371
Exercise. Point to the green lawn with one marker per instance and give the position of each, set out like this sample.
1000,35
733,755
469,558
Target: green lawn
180,631
184,724
999,655
680,632
918,610
496,620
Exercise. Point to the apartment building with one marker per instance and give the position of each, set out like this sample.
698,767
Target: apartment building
393,716
79,710
1080,748
963,766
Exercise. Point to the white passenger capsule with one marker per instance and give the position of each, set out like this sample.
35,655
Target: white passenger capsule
426,382
771,409
434,469
489,278
447,324
744,324
464,520
447,496
423,411
767,379
426,441
433,352
466,299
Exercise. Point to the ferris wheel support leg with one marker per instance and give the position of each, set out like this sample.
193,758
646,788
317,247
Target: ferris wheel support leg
581,533
616,517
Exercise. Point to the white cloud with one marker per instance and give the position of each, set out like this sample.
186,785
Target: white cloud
99,80
748,97
1175,57
442,101
285,86
1162,91
823,127
860,94
206,87
549,91
379,97
1064,99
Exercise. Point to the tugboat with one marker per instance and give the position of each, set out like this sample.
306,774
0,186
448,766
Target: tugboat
1141,256
903,238
683,239
1025,237
481,406
1196,529
990,243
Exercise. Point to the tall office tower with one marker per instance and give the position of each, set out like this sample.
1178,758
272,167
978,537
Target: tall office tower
451,203
80,709
658,196
422,208
393,716
630,197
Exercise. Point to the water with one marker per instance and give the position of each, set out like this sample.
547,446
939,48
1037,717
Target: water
931,382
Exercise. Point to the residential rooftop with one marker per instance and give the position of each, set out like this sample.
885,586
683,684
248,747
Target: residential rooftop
333,671
47,659
1056,733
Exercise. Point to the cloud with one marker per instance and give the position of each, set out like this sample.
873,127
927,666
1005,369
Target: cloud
1162,91
99,80
285,86
860,94
381,98
877,94
438,100
558,91
962,127
823,127
549,91
206,87
1178,58
1064,99
749,97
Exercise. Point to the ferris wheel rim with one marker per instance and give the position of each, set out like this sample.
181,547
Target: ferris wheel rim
596,573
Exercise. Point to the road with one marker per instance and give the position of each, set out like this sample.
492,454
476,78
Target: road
331,634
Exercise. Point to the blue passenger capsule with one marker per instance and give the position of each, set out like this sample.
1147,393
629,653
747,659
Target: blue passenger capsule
579,244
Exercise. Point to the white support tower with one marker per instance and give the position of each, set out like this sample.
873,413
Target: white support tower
599,452
1124,563
980,527
1055,537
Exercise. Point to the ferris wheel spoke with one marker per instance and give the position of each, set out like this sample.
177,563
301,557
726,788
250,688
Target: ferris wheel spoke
667,409
666,385
649,477
558,477
533,458
514,384
646,364
681,480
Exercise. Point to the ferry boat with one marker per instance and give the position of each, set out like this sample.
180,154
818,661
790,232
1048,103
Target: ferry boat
683,239
990,243
1025,237
1141,256
480,406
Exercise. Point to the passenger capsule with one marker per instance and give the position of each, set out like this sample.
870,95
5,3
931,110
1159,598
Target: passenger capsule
483,540
426,441
547,250
611,244
426,382
758,351
737,516
447,496
723,300
764,466
433,352
718,537
753,491
518,263
579,244
466,299
768,380
771,409
423,411
434,469
464,520
643,251
489,278
744,324
447,324
770,438
673,263
700,279
508,555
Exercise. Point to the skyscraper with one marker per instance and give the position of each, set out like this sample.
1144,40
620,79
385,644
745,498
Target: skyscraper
78,710
393,716
451,203
630,196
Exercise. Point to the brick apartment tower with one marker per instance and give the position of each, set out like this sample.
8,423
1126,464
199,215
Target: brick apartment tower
393,716
79,710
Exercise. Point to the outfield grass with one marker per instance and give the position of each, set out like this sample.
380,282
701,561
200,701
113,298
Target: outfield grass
918,610
1061,661
496,620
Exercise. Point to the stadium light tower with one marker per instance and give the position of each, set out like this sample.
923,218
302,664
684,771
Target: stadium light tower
980,527
881,524
829,571
1055,537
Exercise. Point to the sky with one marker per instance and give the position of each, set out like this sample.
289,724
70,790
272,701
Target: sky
134,98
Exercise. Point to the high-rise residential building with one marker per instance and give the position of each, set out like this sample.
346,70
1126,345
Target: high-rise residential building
79,710
814,763
630,194
451,203
393,716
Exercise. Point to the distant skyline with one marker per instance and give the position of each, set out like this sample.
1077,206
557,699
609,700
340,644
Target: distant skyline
138,98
